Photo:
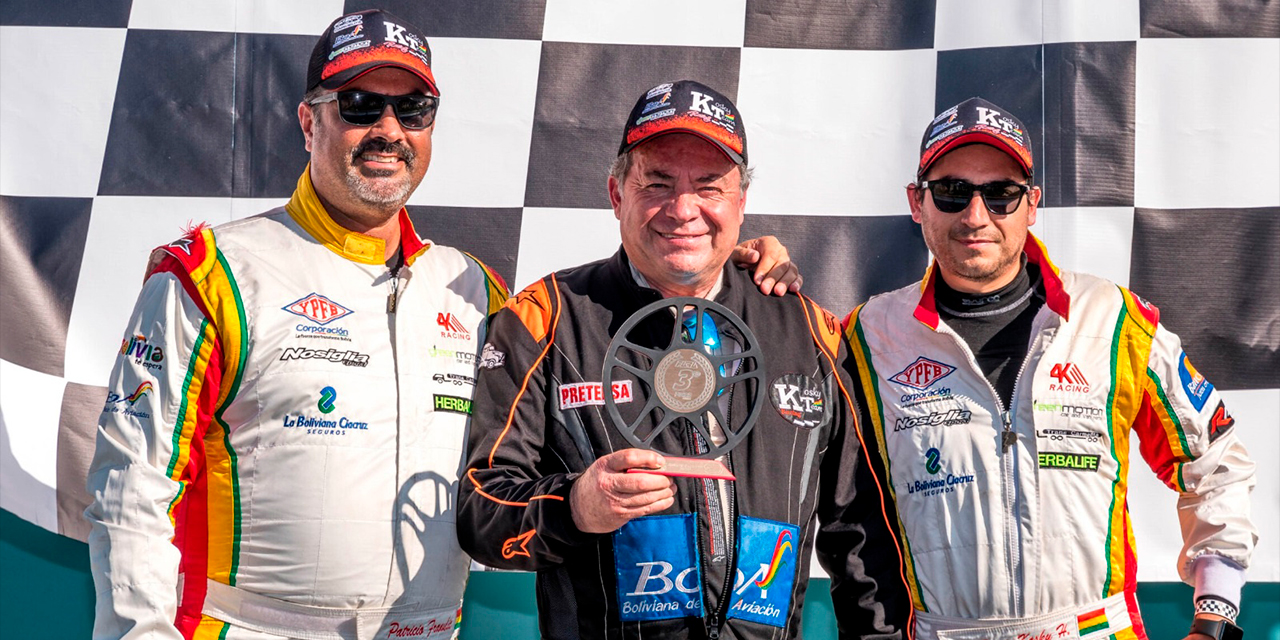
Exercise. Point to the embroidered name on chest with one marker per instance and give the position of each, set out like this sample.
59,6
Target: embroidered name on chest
581,394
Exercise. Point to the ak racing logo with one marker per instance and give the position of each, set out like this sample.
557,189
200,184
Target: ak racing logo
1069,379
922,373
117,403
451,327
142,352
938,486
325,426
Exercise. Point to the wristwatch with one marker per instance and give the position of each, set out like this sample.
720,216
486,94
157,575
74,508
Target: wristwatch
1217,629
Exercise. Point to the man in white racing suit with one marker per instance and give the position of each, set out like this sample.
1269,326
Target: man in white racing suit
276,457
1003,394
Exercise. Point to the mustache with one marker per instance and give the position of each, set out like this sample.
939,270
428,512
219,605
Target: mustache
376,145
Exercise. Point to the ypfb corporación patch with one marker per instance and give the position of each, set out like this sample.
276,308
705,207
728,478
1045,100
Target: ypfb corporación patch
799,400
656,561
768,555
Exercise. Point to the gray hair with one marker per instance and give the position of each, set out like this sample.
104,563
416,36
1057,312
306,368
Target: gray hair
313,94
622,165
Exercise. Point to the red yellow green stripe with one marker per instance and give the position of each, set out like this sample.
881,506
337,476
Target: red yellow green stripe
224,483
1130,349
1120,453
210,629
1128,633
869,381
495,286
1169,459
779,548
1092,621
187,423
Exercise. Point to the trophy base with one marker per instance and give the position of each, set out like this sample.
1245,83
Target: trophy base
689,468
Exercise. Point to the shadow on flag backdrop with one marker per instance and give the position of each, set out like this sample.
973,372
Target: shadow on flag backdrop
1156,126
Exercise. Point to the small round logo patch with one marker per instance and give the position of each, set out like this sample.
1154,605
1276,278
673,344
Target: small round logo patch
684,380
799,399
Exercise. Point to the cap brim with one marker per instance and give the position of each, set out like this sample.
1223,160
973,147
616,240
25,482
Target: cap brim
345,77
725,149
978,137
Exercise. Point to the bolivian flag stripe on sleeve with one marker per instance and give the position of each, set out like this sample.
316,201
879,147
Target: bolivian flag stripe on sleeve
187,426
869,381
495,286
1164,439
1130,349
224,302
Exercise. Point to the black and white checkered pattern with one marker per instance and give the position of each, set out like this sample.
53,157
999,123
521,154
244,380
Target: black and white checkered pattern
1156,126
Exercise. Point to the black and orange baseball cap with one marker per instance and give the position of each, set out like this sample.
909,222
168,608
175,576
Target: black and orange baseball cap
360,42
975,121
689,107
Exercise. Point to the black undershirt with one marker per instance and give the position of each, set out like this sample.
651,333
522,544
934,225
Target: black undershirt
996,325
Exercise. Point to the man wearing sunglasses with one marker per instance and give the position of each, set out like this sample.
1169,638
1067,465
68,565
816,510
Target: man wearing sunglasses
1003,393
279,452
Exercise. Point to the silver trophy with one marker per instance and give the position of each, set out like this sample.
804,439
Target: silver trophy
686,382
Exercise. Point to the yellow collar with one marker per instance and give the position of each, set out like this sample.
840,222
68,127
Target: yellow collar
306,210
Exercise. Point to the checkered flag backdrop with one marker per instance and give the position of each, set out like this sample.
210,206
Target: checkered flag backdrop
1156,126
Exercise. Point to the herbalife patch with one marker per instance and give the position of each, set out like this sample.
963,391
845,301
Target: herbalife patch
452,404
768,554
656,560
1076,461
799,400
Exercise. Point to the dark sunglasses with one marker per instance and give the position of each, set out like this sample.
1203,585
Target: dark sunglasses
363,108
952,195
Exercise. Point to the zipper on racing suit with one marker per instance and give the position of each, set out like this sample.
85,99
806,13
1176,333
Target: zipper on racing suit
1009,484
720,532
395,289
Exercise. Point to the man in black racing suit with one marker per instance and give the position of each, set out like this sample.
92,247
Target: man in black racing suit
623,555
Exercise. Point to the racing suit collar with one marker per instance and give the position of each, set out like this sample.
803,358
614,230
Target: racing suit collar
1057,298
306,210
628,276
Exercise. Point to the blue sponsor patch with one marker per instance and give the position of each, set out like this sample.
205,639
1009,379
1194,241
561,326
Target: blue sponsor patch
656,561
1197,388
768,554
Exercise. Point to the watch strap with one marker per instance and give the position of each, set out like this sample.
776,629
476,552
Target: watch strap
1216,629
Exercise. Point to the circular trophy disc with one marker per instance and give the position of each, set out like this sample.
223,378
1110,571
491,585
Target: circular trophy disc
683,381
